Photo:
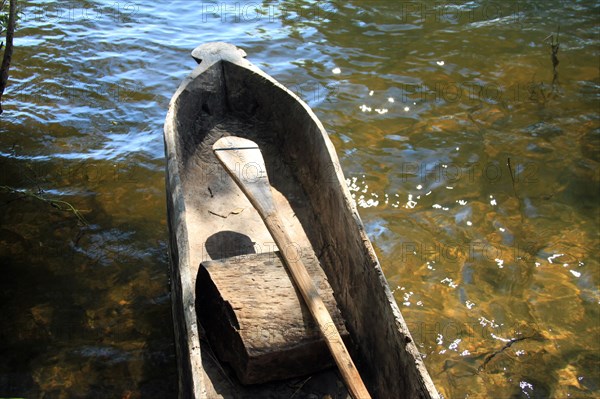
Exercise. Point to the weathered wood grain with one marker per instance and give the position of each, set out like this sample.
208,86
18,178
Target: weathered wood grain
234,151
256,320
226,95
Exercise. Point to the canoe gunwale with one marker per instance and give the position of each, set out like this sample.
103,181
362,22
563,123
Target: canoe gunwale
186,325
190,363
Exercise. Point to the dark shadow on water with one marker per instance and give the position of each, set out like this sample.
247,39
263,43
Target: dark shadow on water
82,313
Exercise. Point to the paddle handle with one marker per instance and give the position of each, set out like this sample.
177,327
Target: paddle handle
234,151
316,306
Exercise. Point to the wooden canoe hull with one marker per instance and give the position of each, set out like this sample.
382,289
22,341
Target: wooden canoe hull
227,95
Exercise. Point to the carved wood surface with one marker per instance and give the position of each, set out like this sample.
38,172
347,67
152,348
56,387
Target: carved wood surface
208,216
257,321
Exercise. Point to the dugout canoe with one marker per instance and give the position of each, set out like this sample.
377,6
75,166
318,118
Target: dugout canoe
228,95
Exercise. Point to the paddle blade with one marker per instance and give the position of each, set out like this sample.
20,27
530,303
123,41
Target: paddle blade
243,161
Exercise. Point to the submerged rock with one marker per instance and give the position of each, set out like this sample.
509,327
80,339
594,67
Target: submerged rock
544,130
590,145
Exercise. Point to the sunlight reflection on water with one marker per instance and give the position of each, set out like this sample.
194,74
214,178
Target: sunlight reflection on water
495,268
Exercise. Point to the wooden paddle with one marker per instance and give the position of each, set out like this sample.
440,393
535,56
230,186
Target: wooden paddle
238,154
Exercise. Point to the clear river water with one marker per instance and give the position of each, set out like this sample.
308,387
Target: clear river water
474,161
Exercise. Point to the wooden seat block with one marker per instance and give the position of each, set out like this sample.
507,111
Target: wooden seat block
256,320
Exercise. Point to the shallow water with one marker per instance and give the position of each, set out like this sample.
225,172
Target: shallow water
495,268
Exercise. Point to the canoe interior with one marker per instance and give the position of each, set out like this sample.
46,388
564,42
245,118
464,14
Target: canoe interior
217,221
